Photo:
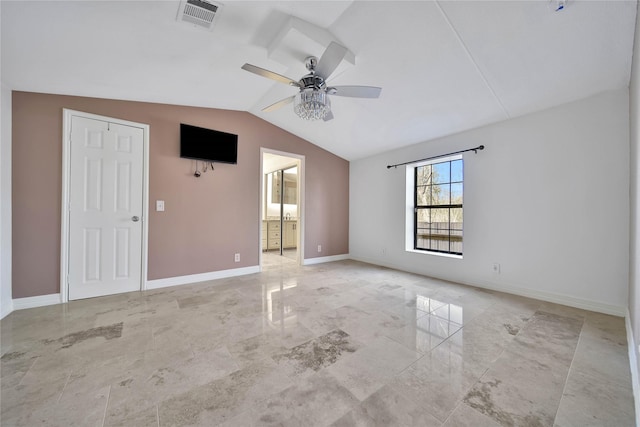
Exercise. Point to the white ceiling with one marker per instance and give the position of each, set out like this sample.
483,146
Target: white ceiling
444,66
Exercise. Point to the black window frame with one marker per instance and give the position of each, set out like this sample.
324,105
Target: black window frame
430,207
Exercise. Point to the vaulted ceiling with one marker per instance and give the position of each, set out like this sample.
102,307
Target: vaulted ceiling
444,66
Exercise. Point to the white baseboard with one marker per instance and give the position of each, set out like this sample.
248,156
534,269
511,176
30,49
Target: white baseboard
323,259
584,304
633,364
6,308
589,305
39,301
202,277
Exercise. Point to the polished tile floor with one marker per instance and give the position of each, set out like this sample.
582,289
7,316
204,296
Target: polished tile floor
342,344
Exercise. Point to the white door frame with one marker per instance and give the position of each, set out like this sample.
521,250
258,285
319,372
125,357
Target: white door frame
301,192
66,172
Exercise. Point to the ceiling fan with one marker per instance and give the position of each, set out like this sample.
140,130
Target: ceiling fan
312,101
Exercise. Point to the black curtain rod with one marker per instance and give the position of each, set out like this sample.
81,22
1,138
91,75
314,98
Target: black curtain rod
475,150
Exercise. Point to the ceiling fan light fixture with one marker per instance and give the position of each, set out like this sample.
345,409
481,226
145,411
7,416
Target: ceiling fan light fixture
312,104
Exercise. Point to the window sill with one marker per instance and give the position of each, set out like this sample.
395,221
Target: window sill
434,254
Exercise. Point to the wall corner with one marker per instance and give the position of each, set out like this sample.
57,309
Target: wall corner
6,304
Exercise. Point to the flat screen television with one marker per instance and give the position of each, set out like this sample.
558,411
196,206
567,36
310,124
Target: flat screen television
208,145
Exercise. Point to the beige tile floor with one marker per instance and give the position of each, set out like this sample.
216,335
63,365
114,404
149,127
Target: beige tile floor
342,344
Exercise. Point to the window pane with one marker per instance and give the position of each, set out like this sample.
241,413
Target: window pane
440,229
423,242
442,245
440,216
456,194
441,172
456,218
423,217
423,175
456,171
456,230
423,195
441,194
423,228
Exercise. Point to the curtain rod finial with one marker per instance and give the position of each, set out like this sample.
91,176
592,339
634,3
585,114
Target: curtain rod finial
475,150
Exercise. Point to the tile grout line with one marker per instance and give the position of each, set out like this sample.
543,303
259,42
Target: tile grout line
453,411
504,349
63,387
566,381
28,369
104,416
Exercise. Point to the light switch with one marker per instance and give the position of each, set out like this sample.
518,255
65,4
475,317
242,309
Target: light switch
159,205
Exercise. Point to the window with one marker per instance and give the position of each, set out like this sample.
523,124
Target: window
438,207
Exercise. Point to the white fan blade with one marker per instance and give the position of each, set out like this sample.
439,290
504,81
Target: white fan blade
278,104
330,60
270,75
355,91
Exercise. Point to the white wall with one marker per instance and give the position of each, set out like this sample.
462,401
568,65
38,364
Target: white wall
548,199
5,205
6,303
634,227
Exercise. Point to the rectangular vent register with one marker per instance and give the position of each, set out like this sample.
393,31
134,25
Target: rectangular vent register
199,12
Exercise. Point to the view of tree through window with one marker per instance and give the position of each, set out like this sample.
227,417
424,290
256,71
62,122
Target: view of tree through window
438,207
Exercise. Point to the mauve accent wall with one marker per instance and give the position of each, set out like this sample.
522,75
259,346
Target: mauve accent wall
206,220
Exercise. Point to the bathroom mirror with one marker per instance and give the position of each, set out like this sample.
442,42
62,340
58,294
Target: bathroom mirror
290,186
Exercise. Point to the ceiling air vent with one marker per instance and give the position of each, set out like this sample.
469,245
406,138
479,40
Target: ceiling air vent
199,12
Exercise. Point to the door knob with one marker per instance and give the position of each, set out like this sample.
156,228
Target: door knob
135,218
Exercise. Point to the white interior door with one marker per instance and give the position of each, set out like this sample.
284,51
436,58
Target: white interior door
105,208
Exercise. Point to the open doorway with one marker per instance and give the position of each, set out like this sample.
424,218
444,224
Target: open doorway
282,193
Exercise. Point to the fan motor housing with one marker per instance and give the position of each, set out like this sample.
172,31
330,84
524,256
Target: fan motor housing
312,81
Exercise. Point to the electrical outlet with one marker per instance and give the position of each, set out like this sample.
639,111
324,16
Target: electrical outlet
496,268
237,258
319,248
